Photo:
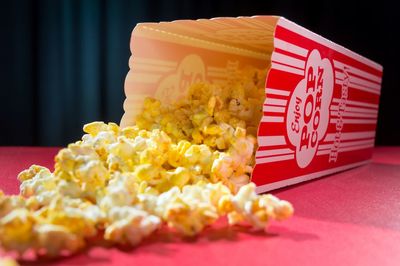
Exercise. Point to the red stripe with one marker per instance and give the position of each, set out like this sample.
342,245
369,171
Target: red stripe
272,129
266,148
289,54
359,76
299,40
275,114
351,128
282,80
276,96
277,171
356,95
285,64
362,96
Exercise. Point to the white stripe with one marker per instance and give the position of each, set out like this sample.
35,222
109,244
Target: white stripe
157,62
350,102
354,148
275,159
198,42
272,119
351,135
154,68
144,78
273,152
358,81
286,46
356,143
288,60
358,87
351,114
339,75
277,92
288,69
265,141
273,109
357,71
355,109
354,121
346,149
362,88
346,144
299,179
217,74
319,39
216,69
274,101
323,152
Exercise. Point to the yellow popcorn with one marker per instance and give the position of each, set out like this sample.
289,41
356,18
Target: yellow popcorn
16,230
129,225
190,211
52,240
52,229
179,177
176,153
9,203
183,165
42,184
31,172
8,262
258,210
81,164
120,191
195,206
79,217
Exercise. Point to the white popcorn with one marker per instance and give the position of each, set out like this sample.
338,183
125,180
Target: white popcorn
129,225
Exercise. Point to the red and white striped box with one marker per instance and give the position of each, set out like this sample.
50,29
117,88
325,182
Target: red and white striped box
321,104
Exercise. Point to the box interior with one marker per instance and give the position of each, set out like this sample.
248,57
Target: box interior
169,56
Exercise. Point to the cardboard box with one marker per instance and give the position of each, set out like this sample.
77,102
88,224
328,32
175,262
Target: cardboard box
322,99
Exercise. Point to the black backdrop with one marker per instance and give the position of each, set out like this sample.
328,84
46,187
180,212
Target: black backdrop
63,63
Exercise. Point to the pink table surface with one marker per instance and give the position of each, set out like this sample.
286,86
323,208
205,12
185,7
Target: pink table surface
349,218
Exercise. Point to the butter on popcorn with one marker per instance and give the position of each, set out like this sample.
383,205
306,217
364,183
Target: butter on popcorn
183,165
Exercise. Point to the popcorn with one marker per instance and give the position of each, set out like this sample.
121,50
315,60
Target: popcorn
130,225
52,240
8,262
38,181
258,210
120,191
16,230
78,216
80,163
9,203
190,211
184,165
51,230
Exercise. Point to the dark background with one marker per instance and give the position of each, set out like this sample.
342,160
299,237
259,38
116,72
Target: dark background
63,63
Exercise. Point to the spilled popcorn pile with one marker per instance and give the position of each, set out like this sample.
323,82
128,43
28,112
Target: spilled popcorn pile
184,165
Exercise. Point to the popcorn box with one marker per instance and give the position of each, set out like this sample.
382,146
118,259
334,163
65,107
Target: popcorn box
321,105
